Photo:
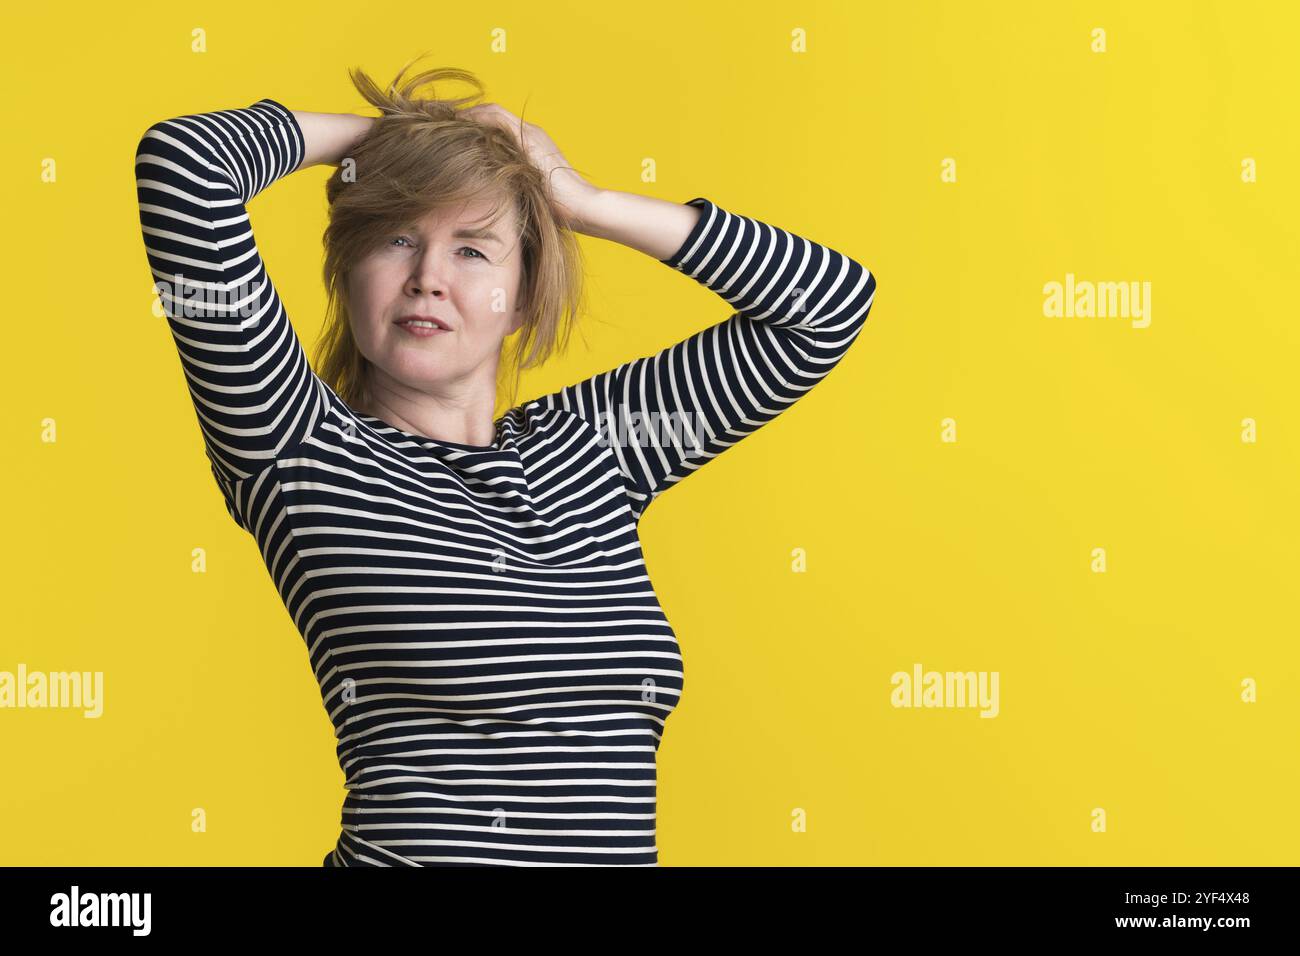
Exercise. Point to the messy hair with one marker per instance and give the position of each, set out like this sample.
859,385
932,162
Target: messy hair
420,156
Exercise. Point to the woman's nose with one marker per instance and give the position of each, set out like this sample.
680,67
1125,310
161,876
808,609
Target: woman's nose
426,278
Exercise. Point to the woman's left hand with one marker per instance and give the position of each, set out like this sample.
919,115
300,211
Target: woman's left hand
571,195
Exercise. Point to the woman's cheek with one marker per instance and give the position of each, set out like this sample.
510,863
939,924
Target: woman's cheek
379,291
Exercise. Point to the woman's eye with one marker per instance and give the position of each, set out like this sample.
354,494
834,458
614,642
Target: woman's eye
396,240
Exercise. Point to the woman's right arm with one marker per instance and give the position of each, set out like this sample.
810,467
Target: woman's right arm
330,137
253,389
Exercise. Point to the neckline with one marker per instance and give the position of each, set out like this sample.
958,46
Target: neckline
459,446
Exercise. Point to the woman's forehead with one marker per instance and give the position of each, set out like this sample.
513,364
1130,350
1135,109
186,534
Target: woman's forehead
482,214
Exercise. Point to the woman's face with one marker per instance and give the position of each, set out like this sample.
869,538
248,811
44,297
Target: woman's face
446,266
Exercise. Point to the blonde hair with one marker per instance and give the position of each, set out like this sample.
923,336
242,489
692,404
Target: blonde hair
420,156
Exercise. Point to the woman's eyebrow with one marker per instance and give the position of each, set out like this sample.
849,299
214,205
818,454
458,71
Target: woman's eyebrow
477,234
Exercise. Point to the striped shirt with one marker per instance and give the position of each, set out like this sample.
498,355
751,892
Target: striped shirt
488,645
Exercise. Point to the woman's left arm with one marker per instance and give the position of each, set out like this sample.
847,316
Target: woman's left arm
798,305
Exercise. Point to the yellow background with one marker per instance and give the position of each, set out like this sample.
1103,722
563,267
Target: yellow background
1119,691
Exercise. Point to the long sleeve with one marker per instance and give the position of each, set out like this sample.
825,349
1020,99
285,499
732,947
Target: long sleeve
253,389
798,305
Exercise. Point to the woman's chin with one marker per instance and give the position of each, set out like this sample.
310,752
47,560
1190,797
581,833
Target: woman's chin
418,367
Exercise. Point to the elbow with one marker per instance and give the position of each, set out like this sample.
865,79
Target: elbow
149,131
159,143
152,138
144,145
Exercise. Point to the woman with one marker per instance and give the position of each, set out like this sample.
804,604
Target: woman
471,589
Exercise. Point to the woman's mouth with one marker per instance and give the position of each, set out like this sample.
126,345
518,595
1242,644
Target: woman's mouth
421,328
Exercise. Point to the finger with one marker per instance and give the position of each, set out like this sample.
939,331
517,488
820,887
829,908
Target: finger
483,114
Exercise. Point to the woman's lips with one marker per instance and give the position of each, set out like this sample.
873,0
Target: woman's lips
420,330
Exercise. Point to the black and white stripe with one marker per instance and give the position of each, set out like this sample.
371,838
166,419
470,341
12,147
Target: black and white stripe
488,645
